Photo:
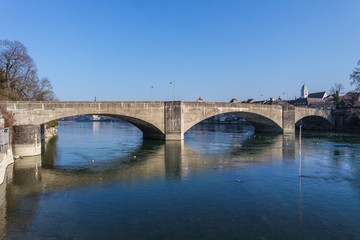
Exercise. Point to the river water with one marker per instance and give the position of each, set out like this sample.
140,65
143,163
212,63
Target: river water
101,180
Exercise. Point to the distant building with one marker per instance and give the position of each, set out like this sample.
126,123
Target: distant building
303,101
200,100
351,99
251,100
304,91
318,95
234,100
95,118
307,98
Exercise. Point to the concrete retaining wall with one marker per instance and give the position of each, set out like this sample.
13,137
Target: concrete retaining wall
6,159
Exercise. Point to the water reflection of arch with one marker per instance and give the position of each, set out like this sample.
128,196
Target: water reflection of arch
272,146
252,150
240,141
146,148
148,163
154,159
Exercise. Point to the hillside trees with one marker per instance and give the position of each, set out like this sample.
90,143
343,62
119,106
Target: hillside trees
18,75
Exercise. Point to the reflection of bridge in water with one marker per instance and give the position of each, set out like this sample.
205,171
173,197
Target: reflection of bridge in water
173,160
154,160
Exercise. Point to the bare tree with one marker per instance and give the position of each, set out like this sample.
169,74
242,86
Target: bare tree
335,92
2,77
18,74
44,91
355,77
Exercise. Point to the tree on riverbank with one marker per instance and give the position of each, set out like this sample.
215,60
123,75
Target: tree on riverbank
355,77
18,78
335,92
18,75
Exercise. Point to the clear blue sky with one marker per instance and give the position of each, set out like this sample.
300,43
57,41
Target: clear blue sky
217,50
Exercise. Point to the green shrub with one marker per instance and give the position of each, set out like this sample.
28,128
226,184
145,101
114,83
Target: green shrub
52,123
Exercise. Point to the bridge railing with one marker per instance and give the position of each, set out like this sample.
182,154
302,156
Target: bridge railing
4,139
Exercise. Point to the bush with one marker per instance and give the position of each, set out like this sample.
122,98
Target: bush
52,123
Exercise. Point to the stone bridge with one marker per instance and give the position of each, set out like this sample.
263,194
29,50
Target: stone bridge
157,120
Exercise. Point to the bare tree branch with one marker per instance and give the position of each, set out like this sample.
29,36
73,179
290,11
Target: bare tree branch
355,77
18,74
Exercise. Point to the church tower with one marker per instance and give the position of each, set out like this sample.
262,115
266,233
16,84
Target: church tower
304,92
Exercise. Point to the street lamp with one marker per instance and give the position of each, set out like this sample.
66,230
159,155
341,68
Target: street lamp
151,87
173,83
287,96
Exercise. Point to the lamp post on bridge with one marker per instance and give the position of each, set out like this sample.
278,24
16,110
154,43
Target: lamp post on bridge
151,87
287,96
173,83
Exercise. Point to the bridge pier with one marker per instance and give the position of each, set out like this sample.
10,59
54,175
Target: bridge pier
174,121
288,119
26,140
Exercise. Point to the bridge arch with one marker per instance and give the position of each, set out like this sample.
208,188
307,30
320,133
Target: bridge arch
265,118
148,129
310,116
314,122
260,122
147,116
305,112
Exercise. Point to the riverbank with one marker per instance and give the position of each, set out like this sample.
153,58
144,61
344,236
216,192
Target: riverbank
49,132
